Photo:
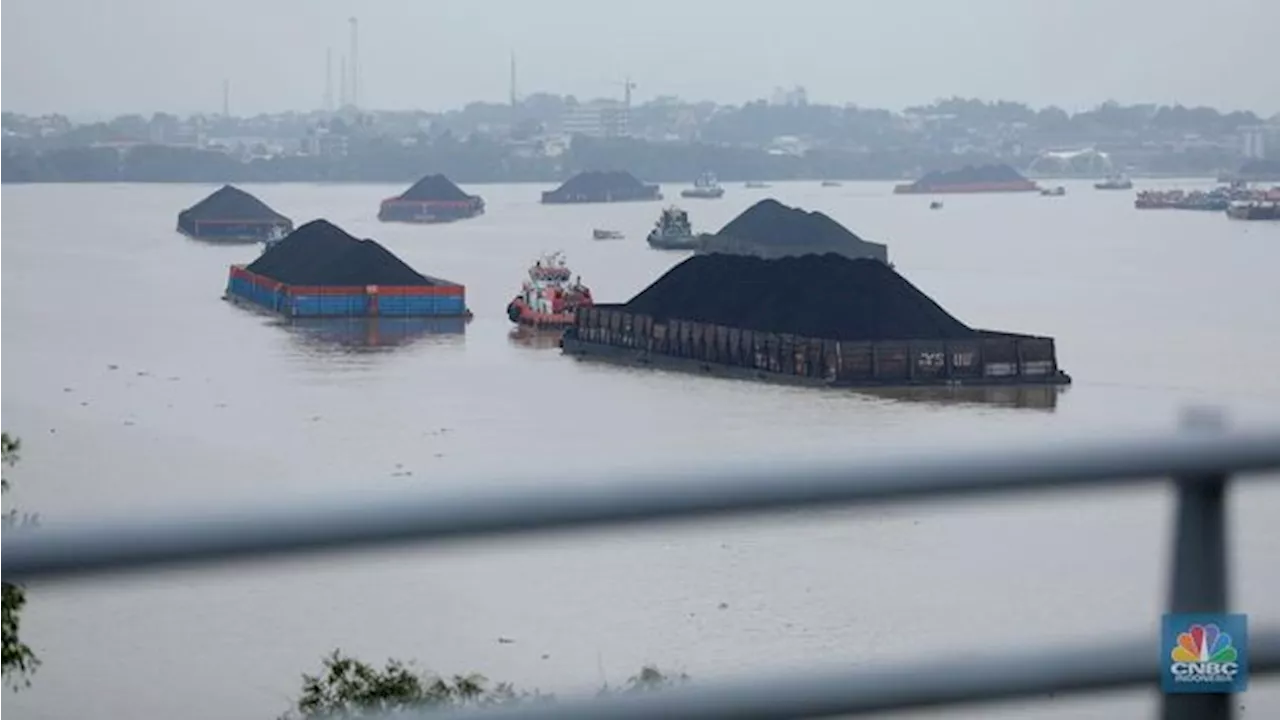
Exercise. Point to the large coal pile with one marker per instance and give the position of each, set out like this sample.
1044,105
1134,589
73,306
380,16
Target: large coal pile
771,229
321,253
435,187
817,296
969,174
231,203
601,186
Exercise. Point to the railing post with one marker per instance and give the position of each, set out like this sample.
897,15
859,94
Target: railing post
1199,582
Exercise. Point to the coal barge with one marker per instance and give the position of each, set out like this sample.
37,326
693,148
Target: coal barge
970,179
433,199
320,271
230,214
601,187
826,321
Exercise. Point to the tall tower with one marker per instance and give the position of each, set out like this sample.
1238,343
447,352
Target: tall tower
514,97
343,98
226,98
355,61
328,80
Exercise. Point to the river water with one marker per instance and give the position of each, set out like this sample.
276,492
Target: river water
135,389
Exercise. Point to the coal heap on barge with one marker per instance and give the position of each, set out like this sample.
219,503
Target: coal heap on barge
970,179
319,270
820,296
232,215
811,319
770,229
601,187
433,199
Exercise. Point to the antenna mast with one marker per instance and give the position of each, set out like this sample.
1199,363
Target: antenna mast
342,82
355,61
328,80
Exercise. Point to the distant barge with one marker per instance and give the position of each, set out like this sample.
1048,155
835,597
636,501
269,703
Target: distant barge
433,199
969,179
609,333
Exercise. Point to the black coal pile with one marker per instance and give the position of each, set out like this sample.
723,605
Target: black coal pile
321,253
608,179
769,222
970,174
231,203
435,187
601,186
817,296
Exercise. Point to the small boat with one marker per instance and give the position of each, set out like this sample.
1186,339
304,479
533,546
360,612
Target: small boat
756,185
550,296
935,205
607,234
831,183
1254,210
1115,182
673,231
706,187
1058,191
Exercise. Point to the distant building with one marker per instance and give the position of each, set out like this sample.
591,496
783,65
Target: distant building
1256,140
601,119
795,96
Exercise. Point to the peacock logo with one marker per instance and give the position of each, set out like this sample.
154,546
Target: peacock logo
1204,644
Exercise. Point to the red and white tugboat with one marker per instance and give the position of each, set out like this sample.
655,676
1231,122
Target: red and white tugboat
550,296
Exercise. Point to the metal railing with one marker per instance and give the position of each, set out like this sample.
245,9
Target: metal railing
1199,460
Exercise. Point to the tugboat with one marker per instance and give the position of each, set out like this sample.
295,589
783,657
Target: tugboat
1254,210
672,231
935,205
1114,182
706,187
551,295
1058,191
606,234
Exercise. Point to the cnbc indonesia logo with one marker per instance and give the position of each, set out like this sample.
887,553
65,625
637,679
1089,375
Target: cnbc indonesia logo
1204,654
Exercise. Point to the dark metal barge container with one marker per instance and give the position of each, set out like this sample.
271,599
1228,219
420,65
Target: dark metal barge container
608,332
441,299
232,215
429,211
601,187
433,199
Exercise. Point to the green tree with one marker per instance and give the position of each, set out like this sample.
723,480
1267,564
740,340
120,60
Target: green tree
19,662
347,687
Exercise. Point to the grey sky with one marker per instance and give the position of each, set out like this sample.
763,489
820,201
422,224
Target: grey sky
104,57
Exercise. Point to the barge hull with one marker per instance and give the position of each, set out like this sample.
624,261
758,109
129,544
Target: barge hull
440,300
429,211
1027,186
232,231
986,359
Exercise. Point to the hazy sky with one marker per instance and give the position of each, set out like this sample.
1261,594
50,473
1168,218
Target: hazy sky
94,57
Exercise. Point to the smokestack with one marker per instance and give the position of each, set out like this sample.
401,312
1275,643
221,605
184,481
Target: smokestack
342,82
355,62
328,80
513,81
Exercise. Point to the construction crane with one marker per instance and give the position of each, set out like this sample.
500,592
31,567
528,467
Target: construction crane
627,87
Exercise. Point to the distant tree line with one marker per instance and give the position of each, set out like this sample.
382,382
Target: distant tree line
483,161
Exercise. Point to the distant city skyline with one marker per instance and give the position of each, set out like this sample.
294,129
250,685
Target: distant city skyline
144,56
